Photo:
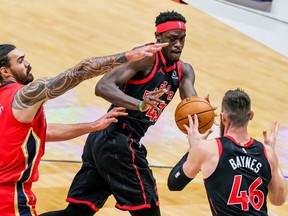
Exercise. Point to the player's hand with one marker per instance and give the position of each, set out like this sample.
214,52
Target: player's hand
271,139
152,99
193,134
214,107
144,51
108,118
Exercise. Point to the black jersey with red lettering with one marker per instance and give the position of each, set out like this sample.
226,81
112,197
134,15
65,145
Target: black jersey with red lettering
239,185
160,77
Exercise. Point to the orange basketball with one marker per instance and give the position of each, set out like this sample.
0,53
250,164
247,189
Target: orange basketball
194,105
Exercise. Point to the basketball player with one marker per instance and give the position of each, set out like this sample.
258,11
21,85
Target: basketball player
23,128
114,159
239,172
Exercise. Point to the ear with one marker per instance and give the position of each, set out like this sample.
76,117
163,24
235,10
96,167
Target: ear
4,73
251,115
223,116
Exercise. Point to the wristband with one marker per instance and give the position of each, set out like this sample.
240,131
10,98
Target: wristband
140,107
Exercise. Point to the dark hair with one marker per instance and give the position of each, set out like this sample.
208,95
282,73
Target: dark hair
4,59
169,16
4,50
237,104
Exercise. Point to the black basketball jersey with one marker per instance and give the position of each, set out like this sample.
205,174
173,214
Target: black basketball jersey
160,77
239,185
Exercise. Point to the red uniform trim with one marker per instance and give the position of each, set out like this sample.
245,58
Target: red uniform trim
220,149
151,75
250,142
83,202
137,172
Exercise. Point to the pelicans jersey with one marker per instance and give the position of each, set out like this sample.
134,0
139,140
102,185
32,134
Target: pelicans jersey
21,147
239,185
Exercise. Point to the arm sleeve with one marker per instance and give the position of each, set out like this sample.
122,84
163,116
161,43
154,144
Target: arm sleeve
177,179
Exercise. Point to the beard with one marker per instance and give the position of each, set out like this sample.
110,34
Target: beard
26,78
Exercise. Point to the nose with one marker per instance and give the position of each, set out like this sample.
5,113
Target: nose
27,63
178,43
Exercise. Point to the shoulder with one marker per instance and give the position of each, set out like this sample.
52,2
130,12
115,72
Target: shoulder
207,147
187,68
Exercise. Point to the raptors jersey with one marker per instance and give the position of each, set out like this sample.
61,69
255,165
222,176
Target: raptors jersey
239,185
160,77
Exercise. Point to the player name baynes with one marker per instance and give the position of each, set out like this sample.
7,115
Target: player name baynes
245,162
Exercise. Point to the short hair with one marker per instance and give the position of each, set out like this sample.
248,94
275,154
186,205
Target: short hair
169,16
237,104
5,49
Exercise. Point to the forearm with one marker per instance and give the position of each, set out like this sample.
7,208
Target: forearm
111,93
278,189
62,132
177,179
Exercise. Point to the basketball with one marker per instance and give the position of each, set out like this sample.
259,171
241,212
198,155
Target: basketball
194,105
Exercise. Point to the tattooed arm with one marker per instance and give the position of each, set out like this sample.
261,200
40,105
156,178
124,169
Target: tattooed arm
30,97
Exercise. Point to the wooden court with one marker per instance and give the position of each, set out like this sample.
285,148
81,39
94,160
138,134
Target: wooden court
56,35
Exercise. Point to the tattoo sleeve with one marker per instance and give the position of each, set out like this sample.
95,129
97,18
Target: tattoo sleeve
48,88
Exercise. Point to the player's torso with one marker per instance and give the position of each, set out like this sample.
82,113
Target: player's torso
160,77
239,185
21,144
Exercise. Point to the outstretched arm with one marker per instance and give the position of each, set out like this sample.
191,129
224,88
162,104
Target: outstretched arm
30,97
62,132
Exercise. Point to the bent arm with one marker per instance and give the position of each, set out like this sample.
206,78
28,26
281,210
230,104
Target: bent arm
108,85
186,169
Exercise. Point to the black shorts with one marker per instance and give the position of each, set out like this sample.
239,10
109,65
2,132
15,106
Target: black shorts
114,163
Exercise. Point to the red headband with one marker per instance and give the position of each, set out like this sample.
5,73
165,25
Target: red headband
170,25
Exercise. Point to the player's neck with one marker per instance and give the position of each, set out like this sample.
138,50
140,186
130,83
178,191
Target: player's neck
239,134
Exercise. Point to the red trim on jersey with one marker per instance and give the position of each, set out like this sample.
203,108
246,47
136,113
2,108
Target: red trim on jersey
168,69
220,149
133,208
137,172
212,204
68,199
265,151
151,75
179,66
250,142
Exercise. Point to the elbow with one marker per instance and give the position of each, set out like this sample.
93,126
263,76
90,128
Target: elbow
278,201
99,89
174,187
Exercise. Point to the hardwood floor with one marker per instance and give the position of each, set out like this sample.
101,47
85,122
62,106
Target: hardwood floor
56,36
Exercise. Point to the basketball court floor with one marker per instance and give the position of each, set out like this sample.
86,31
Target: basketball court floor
57,35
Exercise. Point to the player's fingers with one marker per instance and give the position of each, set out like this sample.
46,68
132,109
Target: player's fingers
265,137
187,128
207,97
274,129
196,121
190,120
207,133
119,109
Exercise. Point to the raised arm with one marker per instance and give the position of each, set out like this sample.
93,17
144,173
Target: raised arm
277,186
30,97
